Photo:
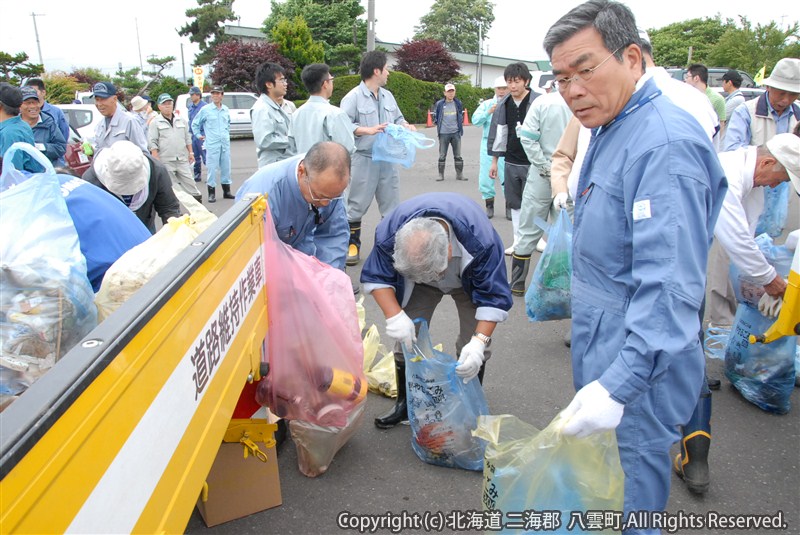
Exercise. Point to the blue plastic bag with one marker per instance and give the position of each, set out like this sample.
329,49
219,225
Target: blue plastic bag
397,144
763,373
442,410
46,303
776,210
778,256
548,297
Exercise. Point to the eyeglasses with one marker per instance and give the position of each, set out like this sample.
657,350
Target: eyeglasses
281,80
319,199
329,79
583,75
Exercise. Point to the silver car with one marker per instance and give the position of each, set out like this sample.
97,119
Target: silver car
239,105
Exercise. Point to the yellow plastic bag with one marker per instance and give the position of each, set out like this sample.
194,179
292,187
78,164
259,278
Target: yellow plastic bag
133,269
379,365
527,469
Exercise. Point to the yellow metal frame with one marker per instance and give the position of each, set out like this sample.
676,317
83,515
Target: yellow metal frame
48,487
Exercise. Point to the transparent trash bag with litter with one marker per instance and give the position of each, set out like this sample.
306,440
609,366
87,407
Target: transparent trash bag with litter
776,210
548,297
442,410
527,469
763,373
46,300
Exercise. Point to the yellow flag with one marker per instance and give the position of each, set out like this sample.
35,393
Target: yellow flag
760,75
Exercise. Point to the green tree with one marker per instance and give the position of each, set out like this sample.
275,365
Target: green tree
671,43
128,81
208,27
332,22
61,87
158,66
14,69
294,42
749,48
456,23
343,59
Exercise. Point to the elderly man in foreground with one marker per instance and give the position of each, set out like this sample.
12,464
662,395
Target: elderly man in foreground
430,246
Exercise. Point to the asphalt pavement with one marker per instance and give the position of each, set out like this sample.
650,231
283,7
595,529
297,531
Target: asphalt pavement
755,456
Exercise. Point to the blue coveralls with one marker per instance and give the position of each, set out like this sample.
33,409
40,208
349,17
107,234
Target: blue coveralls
215,124
197,145
649,194
482,117
324,235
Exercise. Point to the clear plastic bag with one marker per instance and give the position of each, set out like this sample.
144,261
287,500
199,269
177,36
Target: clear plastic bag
317,445
548,297
46,300
132,270
314,345
442,410
397,144
763,373
527,469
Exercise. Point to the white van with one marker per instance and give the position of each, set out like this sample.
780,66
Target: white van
239,105
83,118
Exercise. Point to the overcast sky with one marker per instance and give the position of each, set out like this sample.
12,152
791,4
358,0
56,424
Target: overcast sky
104,35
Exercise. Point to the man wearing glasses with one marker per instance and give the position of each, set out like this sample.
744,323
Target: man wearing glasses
649,193
304,194
271,115
319,120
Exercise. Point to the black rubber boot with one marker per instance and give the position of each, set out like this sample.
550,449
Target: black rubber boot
508,211
481,372
691,464
441,172
460,170
198,198
490,208
226,192
519,272
354,249
212,194
400,411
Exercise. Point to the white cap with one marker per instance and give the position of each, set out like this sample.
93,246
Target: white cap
785,76
138,103
786,149
449,87
500,81
122,168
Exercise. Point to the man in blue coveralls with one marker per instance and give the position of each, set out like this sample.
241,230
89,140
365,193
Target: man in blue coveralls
305,198
649,193
193,107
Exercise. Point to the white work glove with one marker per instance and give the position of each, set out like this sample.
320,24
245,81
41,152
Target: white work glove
770,306
471,360
560,200
591,411
401,328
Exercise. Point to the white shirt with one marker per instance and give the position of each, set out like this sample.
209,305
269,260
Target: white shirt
741,209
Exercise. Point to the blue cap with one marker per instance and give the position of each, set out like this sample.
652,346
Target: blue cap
29,92
104,90
194,90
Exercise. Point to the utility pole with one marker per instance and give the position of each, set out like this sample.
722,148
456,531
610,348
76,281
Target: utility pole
370,25
183,66
36,31
139,45
479,73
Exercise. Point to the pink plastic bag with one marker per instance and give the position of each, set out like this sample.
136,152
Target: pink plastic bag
314,344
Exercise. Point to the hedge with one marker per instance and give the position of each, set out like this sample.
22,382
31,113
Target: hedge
415,97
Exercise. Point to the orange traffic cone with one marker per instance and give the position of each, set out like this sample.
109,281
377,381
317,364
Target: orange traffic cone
466,118
430,120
